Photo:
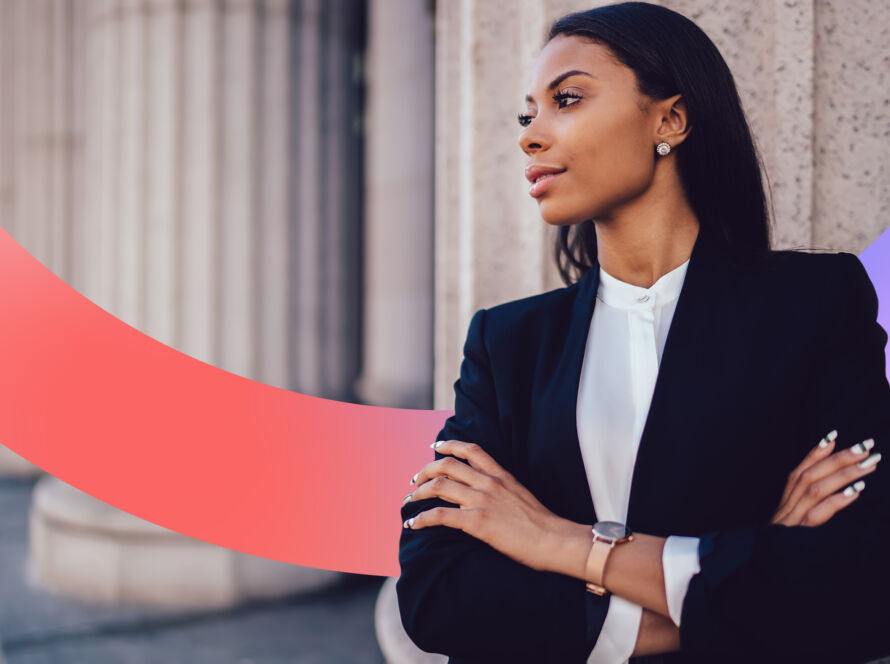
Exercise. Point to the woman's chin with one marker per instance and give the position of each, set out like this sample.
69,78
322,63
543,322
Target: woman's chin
553,215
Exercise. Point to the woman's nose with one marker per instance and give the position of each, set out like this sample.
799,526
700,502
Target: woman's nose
533,138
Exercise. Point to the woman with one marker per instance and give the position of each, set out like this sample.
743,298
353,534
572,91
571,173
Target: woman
752,540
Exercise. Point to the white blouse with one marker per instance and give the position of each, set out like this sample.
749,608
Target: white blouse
624,347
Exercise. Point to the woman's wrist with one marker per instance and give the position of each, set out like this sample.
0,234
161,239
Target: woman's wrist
570,545
633,569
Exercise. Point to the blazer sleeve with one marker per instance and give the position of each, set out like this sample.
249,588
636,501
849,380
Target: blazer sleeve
819,593
461,597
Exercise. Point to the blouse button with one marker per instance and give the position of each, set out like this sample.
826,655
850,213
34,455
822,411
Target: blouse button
644,298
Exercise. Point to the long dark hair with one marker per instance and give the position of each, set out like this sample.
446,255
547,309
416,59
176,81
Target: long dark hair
720,168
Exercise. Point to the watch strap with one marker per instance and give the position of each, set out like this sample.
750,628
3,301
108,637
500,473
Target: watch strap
596,565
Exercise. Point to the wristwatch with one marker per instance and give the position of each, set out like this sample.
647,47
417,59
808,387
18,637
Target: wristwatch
606,536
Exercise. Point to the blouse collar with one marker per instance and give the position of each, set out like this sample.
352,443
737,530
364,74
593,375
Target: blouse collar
621,294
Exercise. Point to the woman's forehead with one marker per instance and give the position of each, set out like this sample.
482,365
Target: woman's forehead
564,53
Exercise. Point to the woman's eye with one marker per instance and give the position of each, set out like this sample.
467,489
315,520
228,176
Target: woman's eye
559,98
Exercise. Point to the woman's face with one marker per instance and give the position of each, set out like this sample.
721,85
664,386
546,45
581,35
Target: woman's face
595,129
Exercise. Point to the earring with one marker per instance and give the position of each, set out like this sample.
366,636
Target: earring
663,148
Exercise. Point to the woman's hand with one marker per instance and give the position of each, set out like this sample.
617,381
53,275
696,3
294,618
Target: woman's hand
492,505
809,498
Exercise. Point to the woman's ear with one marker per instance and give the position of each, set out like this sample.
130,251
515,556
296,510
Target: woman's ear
672,121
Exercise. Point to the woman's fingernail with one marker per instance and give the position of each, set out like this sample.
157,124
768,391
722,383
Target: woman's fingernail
864,446
414,479
438,443
406,498
828,439
854,488
870,461
408,522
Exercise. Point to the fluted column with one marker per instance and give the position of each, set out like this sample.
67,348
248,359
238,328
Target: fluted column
41,138
398,266
491,244
328,196
397,370
200,201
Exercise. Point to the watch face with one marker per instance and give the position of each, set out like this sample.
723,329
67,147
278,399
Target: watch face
612,530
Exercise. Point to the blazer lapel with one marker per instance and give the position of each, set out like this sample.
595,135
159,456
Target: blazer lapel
559,469
693,362
679,394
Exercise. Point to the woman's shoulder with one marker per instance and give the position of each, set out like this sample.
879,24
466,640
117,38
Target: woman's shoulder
806,285
798,268
800,259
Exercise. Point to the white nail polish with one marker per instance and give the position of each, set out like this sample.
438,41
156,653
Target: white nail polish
828,439
854,488
870,461
832,435
863,447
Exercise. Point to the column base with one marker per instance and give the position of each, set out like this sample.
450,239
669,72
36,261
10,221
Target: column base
396,645
84,548
12,465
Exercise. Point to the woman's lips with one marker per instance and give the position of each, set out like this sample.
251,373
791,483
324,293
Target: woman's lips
541,186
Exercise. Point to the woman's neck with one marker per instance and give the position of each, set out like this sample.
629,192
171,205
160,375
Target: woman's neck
644,241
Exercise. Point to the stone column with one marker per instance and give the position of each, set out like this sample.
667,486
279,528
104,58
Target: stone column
398,286
490,243
851,109
398,268
192,153
12,465
41,138
327,197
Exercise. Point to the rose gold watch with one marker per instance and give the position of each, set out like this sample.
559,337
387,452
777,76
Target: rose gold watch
606,536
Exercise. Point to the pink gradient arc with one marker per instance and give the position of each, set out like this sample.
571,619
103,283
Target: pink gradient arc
204,452
190,447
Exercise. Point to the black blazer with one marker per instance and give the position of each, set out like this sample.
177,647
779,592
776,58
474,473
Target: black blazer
763,358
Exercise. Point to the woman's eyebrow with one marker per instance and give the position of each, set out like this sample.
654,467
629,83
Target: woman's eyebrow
559,79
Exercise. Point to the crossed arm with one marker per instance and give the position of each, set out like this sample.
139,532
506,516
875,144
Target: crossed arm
495,508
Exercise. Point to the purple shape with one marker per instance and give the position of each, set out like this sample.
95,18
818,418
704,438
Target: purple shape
876,259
